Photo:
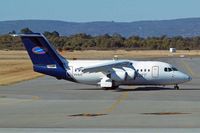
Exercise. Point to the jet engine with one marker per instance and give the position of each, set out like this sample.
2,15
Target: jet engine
130,73
122,74
118,75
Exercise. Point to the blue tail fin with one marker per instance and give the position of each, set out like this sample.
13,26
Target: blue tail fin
44,57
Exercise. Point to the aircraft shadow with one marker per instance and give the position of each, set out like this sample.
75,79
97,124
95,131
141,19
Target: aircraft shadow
88,89
193,89
136,89
146,89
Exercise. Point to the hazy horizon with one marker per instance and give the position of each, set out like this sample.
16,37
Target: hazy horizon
95,10
101,21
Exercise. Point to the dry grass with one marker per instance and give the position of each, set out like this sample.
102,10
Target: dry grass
15,66
13,55
12,71
94,54
122,54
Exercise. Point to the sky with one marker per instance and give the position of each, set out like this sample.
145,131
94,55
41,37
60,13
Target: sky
98,10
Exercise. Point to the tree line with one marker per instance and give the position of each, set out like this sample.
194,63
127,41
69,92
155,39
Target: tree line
83,41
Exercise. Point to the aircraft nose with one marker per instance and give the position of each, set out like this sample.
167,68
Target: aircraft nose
189,78
182,77
186,77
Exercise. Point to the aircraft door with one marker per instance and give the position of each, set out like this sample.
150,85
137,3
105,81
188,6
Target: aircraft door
155,71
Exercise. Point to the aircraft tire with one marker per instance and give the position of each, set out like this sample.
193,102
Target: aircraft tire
176,87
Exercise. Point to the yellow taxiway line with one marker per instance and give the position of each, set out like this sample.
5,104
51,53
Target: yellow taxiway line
121,98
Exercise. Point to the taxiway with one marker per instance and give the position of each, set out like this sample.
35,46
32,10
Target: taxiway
47,102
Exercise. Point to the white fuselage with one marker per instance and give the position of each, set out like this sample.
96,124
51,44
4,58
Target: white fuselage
147,73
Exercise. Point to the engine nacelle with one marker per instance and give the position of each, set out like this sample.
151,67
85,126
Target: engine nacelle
122,74
131,73
118,75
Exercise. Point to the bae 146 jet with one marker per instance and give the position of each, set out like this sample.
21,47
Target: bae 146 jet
104,73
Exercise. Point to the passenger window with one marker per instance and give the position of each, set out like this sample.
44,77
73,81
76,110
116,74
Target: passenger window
145,70
141,70
148,70
165,69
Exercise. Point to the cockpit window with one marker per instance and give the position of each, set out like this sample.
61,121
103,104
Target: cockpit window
167,69
174,69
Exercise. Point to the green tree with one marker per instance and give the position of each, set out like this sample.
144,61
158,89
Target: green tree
55,33
12,32
26,31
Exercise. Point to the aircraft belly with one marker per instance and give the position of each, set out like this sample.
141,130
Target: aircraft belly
143,81
138,82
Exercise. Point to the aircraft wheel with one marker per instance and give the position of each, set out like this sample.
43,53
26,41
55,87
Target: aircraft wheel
176,87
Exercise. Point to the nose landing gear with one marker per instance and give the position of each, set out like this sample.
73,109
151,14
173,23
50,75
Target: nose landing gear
176,87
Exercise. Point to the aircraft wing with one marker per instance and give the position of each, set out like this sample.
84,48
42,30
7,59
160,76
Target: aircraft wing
107,67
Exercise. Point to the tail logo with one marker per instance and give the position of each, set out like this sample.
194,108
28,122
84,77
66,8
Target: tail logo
38,50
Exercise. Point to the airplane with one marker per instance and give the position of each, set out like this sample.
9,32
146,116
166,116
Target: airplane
109,74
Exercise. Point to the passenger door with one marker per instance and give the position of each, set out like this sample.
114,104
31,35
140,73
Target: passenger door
155,71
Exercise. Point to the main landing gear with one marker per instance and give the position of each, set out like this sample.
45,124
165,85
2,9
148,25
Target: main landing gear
176,87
